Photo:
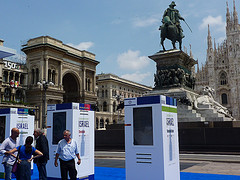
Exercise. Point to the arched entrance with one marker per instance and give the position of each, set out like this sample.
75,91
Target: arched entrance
71,88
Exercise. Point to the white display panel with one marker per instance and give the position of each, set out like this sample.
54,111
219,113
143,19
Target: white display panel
151,138
15,118
80,122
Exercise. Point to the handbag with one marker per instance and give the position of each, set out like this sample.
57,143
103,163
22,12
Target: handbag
14,167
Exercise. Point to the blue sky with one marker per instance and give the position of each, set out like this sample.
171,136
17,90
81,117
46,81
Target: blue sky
122,34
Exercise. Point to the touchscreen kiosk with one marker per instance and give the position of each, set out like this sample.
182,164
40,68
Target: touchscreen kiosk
15,118
151,138
79,119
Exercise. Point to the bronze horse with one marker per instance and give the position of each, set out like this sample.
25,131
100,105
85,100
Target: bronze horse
171,32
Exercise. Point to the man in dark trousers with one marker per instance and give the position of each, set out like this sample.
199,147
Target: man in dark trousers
41,145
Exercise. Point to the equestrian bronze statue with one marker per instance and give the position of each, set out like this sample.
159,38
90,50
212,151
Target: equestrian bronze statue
171,28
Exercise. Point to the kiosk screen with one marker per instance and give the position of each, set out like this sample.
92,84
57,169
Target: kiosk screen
142,126
59,125
2,128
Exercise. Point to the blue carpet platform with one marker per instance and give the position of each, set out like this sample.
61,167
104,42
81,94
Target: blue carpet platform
106,173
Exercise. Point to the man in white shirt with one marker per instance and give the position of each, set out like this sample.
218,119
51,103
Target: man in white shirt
7,145
67,150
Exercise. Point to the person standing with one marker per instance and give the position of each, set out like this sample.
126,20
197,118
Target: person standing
25,158
7,145
41,145
67,150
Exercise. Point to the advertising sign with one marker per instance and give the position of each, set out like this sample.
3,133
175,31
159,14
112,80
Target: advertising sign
151,138
73,117
11,118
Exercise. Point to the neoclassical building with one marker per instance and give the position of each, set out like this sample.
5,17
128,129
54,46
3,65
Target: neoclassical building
13,80
58,73
222,68
111,91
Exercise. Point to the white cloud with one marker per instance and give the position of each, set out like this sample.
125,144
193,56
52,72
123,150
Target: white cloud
82,45
131,60
216,22
138,22
136,77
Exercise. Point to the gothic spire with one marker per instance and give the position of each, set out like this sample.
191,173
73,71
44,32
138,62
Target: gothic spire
191,55
215,47
197,66
228,13
209,38
235,15
228,17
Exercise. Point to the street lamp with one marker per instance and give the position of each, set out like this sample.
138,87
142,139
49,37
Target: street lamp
44,85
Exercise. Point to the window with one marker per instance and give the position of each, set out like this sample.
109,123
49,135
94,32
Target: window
114,106
37,75
5,76
224,99
106,93
11,76
53,76
21,79
107,121
223,78
101,123
16,77
49,75
18,96
89,85
102,93
97,123
33,74
7,94
104,106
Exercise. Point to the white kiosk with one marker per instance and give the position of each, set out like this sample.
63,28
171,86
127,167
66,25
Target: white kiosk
11,118
151,138
79,119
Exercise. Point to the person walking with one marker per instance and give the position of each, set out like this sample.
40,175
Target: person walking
67,150
25,158
8,144
41,145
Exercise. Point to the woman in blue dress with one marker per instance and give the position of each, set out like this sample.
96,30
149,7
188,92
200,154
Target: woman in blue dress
25,158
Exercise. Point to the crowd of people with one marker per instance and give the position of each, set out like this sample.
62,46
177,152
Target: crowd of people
12,151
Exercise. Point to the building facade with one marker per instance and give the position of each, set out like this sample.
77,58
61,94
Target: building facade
111,91
13,80
58,73
222,68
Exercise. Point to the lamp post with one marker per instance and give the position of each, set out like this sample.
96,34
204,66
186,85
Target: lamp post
44,85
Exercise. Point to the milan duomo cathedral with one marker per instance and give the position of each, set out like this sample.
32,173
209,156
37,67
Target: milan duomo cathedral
222,68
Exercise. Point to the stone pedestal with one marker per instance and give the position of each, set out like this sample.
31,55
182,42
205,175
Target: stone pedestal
174,78
173,69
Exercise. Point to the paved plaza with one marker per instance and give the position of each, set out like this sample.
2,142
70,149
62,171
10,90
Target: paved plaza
192,166
111,166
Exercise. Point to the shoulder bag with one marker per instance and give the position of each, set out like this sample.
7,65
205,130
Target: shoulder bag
14,167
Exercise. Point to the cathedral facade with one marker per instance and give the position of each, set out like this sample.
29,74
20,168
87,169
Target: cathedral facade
222,68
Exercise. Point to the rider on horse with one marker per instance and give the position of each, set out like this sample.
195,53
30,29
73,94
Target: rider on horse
172,16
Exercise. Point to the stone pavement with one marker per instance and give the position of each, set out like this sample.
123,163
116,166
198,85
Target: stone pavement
208,167
194,163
